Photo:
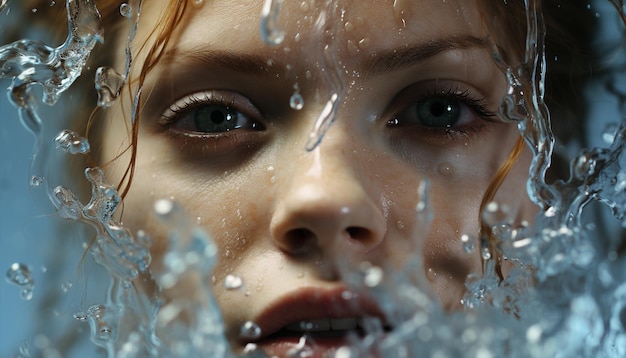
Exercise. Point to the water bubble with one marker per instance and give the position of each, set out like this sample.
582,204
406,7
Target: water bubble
36,181
270,30
126,10
71,142
108,84
233,282
250,330
19,274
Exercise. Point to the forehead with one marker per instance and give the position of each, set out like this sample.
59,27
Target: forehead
352,27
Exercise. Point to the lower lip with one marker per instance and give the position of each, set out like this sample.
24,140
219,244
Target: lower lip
315,347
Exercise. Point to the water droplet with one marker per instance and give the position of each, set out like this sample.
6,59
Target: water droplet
353,49
373,275
496,214
163,207
71,142
233,282
108,84
198,3
34,10
270,31
36,181
609,133
19,274
250,330
364,43
66,286
468,242
126,10
296,101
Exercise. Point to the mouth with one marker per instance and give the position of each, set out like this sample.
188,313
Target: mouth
314,323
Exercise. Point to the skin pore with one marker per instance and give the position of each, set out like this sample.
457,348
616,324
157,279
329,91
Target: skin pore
218,135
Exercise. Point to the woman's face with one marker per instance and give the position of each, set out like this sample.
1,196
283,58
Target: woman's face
219,136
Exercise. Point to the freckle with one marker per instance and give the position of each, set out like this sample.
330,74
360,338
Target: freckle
353,49
364,43
348,26
445,169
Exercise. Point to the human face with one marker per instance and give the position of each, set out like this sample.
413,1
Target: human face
218,135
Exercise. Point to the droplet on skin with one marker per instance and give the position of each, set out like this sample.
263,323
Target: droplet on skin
364,43
198,3
233,282
296,101
250,330
348,26
353,49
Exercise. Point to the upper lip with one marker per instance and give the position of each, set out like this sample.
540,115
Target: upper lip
315,303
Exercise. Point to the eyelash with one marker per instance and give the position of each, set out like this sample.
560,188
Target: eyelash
465,97
187,104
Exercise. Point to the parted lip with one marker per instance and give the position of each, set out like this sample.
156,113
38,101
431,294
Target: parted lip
315,303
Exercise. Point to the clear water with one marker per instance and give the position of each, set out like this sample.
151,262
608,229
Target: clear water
571,303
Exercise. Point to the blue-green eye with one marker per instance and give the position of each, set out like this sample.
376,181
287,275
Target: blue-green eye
217,119
439,112
436,112
205,114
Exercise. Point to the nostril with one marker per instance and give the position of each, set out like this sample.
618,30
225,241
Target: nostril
359,234
299,241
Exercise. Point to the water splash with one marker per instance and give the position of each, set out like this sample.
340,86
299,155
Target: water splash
270,30
330,73
19,274
71,142
109,84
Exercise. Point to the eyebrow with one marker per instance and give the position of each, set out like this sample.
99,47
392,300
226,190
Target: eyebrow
378,63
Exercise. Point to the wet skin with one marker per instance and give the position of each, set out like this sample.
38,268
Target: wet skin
219,137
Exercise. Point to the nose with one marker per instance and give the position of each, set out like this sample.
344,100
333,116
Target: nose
327,206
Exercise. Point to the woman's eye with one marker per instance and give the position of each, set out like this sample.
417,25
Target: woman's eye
206,113
436,112
214,119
